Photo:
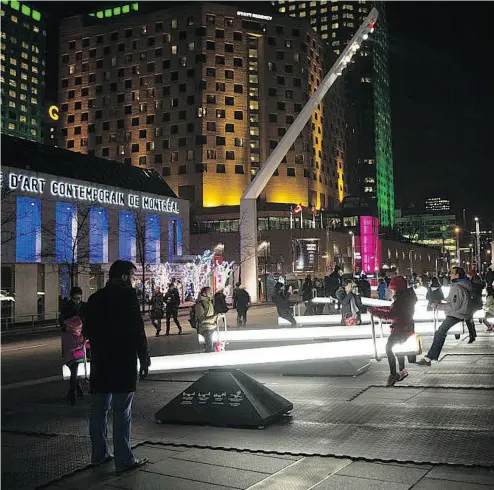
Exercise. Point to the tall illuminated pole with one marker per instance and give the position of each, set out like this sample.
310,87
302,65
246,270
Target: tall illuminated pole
457,231
477,235
353,251
248,203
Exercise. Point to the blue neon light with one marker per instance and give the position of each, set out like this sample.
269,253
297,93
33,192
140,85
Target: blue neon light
98,237
28,230
66,233
127,236
152,239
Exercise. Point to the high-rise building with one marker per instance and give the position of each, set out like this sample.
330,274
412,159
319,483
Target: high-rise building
369,161
203,93
23,43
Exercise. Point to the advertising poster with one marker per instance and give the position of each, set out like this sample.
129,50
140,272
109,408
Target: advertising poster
305,254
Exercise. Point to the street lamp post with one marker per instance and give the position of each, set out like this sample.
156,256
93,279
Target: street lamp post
411,262
457,231
353,251
264,246
477,234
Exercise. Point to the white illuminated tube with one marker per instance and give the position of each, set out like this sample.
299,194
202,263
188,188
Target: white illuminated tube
316,333
290,354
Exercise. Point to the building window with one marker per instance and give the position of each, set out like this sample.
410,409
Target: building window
239,169
98,236
239,142
229,128
238,89
66,233
127,236
290,172
230,155
152,239
220,140
239,115
28,230
211,126
220,168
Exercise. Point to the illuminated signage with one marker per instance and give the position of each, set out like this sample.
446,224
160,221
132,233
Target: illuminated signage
305,253
53,112
254,16
81,192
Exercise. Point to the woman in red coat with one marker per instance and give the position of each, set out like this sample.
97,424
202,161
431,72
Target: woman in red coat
401,315
72,341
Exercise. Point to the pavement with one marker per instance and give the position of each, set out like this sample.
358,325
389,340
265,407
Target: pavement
434,430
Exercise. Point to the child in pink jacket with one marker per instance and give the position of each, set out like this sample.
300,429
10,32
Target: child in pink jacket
72,341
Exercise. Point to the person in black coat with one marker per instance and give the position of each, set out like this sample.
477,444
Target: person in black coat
333,282
351,304
115,328
307,294
172,302
364,289
241,301
280,299
434,293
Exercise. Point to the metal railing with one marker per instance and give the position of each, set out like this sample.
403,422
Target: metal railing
30,320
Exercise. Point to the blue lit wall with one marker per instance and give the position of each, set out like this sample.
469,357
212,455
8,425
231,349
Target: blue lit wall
152,245
127,236
174,238
98,237
66,232
28,230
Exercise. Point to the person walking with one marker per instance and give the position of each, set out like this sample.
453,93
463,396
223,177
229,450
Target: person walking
73,342
478,286
157,308
434,293
172,302
333,282
205,318
401,315
488,321
113,324
307,295
458,307
241,302
280,299
381,289
365,290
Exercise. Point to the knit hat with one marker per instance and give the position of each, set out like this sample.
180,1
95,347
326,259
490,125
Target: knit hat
399,284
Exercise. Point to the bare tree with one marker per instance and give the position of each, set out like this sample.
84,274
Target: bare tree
68,241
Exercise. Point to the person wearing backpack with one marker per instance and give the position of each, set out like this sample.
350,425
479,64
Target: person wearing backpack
205,317
458,307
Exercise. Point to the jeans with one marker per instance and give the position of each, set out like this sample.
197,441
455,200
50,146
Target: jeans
172,314
74,385
394,339
122,423
208,340
442,331
241,318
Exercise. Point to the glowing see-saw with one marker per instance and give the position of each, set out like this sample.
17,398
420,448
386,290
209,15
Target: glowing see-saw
265,356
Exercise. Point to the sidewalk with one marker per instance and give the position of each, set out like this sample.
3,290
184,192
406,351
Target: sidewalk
433,431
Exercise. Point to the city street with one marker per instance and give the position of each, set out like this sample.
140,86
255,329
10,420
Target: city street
38,356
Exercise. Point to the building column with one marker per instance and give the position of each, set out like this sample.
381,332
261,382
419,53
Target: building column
248,246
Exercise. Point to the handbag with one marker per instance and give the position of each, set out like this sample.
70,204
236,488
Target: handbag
351,319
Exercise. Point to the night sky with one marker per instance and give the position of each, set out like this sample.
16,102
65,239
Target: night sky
442,99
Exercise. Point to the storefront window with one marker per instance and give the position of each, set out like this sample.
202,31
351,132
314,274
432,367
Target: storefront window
28,230
98,238
152,247
127,236
66,233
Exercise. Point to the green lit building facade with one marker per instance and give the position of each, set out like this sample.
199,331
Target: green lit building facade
23,46
368,158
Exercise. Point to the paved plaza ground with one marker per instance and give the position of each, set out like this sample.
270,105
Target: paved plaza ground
435,430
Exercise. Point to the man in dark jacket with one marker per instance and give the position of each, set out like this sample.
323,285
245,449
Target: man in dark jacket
114,326
364,289
307,294
401,314
172,302
241,301
333,282
280,299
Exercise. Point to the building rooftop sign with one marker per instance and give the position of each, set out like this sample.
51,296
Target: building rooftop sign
254,16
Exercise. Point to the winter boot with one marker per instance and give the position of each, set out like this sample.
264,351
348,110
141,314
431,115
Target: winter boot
392,379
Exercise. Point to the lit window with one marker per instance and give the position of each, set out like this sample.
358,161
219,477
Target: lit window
335,25
34,101
13,61
24,55
174,49
11,125
35,28
13,72
71,69
34,69
34,80
23,119
13,18
24,66
12,104
191,46
127,236
34,59
13,94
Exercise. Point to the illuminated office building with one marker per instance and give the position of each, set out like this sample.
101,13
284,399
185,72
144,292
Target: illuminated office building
23,43
369,160
203,93
437,205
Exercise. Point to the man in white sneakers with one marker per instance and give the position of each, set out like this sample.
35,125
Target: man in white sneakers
458,307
